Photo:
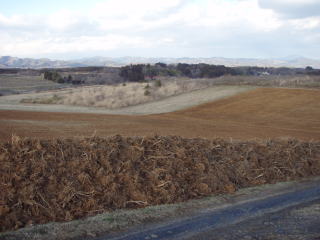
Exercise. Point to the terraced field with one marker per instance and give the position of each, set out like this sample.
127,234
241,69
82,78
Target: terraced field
260,113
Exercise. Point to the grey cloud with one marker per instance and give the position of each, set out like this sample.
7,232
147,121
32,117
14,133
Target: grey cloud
230,39
292,9
240,42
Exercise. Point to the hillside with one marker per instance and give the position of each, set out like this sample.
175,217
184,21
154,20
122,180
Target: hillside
14,62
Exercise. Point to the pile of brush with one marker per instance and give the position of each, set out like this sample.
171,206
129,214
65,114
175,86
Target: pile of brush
62,180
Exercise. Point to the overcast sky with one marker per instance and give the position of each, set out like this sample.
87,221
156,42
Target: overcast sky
68,29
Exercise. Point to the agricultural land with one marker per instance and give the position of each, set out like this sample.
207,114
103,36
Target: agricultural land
79,142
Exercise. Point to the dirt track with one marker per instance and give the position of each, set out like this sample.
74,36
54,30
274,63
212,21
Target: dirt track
261,113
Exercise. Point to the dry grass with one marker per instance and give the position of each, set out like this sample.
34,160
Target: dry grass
123,95
129,94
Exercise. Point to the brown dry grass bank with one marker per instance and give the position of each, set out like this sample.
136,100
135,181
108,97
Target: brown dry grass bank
61,180
129,94
122,95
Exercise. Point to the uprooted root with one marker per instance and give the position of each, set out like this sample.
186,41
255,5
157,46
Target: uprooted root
62,180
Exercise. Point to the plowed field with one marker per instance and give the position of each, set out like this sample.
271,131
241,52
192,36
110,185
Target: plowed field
261,113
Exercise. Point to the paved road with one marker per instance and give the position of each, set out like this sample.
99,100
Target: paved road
290,215
301,222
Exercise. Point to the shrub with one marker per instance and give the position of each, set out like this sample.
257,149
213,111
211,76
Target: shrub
158,83
53,76
147,86
133,73
147,93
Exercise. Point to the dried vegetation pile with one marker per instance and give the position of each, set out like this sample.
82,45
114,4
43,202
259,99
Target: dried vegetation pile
61,180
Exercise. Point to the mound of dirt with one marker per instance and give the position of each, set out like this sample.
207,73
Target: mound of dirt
62,180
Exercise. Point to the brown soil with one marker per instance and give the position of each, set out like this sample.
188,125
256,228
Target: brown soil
61,180
261,113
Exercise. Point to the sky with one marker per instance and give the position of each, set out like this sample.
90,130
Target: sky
71,29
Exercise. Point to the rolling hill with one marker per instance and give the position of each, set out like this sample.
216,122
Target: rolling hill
15,62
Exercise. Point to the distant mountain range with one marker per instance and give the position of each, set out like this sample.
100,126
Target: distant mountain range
15,62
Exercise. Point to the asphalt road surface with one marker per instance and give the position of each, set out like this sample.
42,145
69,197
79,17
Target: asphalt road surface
300,222
290,215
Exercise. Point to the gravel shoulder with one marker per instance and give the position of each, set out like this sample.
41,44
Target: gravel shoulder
169,104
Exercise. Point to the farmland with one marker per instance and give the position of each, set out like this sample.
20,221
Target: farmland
14,83
262,113
62,162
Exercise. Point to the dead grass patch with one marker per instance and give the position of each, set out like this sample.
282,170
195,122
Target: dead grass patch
123,95
130,94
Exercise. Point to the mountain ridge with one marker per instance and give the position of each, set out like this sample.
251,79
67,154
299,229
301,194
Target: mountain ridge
16,62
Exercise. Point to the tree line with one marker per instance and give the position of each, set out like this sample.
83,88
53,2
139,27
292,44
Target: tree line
145,72
58,78
142,72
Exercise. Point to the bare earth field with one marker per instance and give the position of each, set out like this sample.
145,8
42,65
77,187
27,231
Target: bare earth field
261,113
45,180
14,83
